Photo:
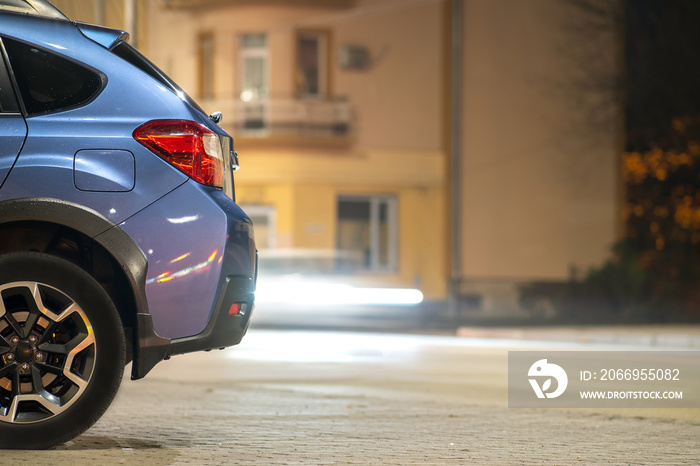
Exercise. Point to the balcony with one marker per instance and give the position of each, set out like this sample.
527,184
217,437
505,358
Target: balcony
199,4
272,121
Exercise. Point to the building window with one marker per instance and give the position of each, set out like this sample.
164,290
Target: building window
312,64
254,59
206,65
264,223
254,56
367,233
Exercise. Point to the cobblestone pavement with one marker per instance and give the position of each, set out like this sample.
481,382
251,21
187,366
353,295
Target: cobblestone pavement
332,398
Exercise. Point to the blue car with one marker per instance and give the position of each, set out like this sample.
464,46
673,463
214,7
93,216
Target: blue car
120,238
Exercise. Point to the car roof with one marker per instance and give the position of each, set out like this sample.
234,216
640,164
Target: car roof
33,7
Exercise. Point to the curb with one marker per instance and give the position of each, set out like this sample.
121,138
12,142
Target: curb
653,336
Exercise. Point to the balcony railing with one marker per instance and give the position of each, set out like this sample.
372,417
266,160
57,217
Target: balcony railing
291,118
199,4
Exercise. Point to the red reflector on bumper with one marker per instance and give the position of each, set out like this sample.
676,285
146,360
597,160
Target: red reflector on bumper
235,309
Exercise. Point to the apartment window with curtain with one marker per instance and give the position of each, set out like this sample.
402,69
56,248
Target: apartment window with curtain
367,233
254,55
206,65
253,66
312,64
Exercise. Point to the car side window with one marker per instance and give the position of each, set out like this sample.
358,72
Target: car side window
8,101
48,82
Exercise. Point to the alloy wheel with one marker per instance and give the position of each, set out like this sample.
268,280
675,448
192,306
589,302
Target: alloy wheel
47,352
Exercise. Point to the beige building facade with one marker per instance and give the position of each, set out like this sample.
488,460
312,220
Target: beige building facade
343,117
540,176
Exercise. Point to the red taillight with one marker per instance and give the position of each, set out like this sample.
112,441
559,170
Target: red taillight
235,309
191,147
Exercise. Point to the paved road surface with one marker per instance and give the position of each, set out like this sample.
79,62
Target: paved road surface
294,397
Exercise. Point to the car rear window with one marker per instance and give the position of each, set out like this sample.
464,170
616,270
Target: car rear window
133,56
48,82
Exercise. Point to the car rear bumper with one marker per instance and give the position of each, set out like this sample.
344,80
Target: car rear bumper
224,329
229,275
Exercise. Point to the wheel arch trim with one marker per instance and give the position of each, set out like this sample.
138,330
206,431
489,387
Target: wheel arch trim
90,223
107,234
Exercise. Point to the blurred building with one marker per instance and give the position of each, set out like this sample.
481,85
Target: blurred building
361,160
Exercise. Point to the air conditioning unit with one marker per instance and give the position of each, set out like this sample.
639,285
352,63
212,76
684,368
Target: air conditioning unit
353,57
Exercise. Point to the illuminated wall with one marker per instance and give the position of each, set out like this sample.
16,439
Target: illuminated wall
539,184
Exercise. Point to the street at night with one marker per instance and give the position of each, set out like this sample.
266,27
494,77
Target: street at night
349,232
288,397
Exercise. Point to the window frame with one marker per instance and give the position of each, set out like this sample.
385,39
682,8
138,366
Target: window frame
324,61
207,65
375,201
254,52
256,105
269,211
7,81
102,78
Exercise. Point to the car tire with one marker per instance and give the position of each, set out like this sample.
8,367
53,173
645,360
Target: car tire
62,350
